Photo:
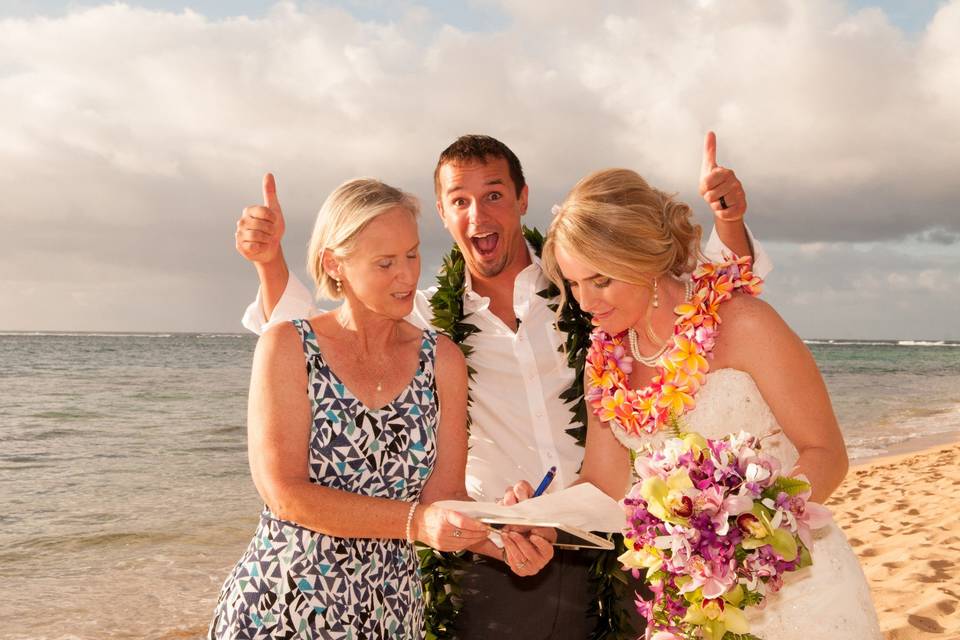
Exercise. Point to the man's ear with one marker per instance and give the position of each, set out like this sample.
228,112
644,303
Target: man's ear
522,201
443,217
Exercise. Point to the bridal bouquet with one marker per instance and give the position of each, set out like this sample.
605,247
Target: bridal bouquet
716,525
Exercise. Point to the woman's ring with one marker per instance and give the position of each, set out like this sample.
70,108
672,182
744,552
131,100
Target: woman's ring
723,203
457,533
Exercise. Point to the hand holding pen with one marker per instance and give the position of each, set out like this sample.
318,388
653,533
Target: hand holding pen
523,490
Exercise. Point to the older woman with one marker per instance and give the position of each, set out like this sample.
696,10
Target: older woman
356,425
626,251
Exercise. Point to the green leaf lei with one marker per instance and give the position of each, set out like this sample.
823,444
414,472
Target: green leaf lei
441,571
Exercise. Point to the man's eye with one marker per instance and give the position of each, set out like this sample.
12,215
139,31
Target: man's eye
459,202
495,196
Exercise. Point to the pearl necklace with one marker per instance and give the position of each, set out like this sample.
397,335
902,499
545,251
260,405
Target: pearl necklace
651,361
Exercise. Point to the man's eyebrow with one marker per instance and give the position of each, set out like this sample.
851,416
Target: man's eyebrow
457,187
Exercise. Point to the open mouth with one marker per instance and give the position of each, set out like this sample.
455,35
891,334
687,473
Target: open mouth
402,295
485,243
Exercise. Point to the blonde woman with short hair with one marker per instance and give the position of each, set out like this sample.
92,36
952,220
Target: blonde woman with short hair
356,425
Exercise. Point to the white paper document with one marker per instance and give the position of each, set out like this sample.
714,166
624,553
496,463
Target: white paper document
582,506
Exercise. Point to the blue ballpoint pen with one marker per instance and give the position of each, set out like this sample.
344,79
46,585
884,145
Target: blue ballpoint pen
547,479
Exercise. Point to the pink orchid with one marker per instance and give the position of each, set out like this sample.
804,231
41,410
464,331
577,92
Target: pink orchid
713,578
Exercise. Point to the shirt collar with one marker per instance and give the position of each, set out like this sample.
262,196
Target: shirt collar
474,302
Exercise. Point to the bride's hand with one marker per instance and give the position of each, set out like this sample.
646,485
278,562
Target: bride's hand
720,186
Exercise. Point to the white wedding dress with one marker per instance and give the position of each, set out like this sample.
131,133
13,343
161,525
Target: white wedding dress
829,600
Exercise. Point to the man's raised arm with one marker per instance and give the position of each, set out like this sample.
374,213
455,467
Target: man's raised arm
724,194
281,295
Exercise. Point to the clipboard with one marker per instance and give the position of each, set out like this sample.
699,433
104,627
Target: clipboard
568,537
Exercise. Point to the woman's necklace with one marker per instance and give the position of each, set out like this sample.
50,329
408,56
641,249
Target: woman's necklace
651,361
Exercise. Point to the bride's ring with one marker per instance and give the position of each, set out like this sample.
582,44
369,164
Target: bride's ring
521,565
723,203
457,533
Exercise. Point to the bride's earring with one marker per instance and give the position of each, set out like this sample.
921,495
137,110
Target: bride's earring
339,286
656,295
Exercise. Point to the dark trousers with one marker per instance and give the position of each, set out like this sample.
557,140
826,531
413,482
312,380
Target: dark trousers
552,604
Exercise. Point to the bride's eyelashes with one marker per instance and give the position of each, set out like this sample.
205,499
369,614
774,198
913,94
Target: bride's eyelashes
598,283
601,283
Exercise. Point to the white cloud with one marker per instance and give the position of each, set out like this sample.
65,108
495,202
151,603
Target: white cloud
135,136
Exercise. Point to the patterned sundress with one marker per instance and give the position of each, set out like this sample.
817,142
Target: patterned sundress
293,582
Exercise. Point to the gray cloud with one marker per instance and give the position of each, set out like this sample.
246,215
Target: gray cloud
134,138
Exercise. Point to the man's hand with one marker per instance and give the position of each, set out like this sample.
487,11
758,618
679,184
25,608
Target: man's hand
260,228
719,186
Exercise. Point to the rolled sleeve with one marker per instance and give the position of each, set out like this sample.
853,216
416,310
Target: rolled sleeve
296,302
715,249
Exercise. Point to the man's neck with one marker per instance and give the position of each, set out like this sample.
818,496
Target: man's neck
499,288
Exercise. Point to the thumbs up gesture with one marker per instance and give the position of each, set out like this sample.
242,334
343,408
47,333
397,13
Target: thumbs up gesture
719,186
261,227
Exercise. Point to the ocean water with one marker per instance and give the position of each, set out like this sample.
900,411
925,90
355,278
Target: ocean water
125,496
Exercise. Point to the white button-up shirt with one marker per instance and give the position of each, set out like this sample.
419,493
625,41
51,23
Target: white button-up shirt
518,421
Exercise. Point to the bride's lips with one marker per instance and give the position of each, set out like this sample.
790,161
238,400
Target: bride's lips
601,316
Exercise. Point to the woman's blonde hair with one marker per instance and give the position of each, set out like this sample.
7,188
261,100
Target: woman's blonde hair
622,228
344,214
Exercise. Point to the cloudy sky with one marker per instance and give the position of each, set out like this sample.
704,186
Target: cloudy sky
133,135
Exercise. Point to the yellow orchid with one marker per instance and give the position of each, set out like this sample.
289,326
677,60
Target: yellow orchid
716,616
759,531
667,500
647,557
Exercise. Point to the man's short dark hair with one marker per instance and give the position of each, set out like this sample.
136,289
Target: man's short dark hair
477,148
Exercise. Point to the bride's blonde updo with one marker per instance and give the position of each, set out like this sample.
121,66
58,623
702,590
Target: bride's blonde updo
623,228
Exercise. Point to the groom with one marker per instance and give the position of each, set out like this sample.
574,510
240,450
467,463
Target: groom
519,420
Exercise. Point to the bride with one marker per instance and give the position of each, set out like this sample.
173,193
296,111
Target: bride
627,252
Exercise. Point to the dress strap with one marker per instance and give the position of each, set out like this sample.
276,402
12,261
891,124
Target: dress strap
428,357
311,348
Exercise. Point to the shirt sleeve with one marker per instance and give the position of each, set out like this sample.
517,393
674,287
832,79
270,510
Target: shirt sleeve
762,264
296,302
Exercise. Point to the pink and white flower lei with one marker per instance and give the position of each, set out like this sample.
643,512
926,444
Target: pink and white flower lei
681,370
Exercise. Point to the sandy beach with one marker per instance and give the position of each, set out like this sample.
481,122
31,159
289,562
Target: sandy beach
902,516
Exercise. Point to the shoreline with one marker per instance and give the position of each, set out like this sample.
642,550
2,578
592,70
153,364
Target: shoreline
919,445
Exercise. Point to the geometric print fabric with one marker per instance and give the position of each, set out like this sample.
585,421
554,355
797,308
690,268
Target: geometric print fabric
293,582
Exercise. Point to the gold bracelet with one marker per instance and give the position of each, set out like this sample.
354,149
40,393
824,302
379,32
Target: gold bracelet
410,513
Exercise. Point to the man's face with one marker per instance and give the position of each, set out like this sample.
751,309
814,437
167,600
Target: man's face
479,206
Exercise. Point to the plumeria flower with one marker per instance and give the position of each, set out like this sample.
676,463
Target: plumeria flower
675,399
686,355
